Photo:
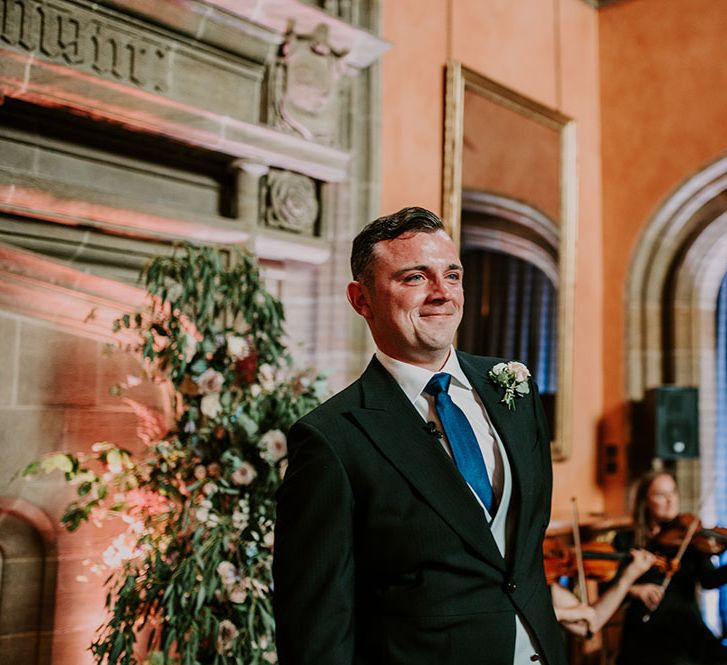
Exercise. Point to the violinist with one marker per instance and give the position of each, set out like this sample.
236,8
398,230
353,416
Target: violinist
582,619
663,624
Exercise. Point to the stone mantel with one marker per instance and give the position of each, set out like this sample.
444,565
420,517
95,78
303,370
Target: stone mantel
210,22
265,87
161,87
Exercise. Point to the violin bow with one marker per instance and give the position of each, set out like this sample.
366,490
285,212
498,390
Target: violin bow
583,592
680,553
582,589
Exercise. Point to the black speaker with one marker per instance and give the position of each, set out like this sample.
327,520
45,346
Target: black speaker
672,418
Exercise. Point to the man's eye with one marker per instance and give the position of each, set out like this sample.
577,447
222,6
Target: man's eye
413,278
454,276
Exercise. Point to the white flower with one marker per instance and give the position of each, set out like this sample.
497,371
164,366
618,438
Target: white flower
270,657
275,444
174,289
237,346
269,539
513,377
255,389
210,405
240,520
209,488
203,512
244,475
200,471
266,375
237,593
226,634
212,520
227,572
189,348
210,381
132,380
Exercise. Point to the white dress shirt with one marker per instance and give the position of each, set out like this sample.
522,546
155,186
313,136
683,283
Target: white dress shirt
412,380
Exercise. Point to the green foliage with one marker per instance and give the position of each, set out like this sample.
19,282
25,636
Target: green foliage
193,570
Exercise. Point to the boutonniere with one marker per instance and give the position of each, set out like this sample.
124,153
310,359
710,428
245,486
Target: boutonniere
513,377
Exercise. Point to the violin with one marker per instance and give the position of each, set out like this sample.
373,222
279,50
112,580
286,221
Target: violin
707,541
601,561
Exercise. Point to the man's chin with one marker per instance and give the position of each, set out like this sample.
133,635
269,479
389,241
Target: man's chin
437,343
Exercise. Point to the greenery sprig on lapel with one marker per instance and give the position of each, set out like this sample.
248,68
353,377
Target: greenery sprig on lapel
513,377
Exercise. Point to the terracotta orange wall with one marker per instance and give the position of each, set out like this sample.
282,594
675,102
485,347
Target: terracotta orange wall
663,110
546,50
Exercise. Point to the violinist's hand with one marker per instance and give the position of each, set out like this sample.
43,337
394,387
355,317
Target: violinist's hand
649,594
579,619
641,561
576,617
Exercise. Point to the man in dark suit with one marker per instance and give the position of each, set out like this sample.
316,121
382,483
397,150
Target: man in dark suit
411,518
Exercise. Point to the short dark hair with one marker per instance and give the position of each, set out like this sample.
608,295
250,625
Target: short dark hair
417,220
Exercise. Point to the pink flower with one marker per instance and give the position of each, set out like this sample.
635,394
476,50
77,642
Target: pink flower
210,381
226,634
244,475
521,371
275,444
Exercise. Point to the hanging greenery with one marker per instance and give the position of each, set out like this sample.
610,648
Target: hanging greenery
192,572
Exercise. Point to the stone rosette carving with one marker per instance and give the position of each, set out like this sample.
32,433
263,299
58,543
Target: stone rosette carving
305,86
292,203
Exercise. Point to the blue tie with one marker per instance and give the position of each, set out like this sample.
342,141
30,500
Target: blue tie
465,449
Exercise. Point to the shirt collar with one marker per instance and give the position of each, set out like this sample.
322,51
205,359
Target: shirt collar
413,379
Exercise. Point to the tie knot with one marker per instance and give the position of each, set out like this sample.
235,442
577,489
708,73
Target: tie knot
439,383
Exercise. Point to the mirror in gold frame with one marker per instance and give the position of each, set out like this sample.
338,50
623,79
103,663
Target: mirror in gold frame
509,201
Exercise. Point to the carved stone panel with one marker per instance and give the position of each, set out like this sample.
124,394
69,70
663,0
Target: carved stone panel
292,203
306,85
100,42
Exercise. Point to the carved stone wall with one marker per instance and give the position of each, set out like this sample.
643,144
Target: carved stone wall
129,125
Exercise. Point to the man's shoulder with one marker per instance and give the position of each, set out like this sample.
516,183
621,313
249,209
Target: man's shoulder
335,406
482,362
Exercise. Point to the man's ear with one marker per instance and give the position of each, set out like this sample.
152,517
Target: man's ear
358,296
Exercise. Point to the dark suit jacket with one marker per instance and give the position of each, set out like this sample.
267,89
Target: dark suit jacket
383,555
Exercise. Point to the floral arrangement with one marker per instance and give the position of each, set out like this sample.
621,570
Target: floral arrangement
513,377
192,570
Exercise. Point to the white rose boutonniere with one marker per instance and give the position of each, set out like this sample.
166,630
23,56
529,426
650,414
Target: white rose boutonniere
513,377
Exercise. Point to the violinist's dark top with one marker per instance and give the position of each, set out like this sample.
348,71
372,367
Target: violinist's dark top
675,634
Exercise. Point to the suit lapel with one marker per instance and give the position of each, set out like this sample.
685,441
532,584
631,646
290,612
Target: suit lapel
398,431
515,429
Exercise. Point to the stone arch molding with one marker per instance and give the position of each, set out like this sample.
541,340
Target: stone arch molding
675,274
519,229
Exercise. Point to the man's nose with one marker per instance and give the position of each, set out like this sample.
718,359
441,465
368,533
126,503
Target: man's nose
439,289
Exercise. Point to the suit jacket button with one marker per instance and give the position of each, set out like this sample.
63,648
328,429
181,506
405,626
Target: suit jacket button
511,586
535,658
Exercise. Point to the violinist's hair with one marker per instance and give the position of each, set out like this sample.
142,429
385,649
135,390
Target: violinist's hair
641,510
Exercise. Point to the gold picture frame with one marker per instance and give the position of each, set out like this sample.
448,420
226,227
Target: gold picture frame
461,82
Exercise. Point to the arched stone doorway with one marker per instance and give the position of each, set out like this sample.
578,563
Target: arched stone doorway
28,567
674,279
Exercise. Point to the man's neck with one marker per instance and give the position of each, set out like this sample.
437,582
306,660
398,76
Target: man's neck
432,364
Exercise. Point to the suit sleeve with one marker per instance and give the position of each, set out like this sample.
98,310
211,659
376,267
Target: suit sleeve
313,566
